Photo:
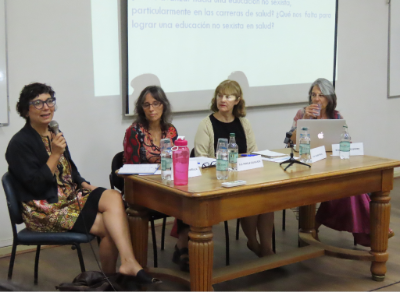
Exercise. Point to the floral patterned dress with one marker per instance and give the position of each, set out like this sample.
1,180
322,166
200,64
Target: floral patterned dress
41,216
139,146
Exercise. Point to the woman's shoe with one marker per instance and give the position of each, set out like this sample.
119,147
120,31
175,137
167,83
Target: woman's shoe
141,279
181,257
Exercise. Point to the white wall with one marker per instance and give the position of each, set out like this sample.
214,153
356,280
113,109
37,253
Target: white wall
50,41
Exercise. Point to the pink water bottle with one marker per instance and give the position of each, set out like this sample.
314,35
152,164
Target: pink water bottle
180,160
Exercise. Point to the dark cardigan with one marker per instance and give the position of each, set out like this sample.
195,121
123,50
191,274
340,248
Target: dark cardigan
27,157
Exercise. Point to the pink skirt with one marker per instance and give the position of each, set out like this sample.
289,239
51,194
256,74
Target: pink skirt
348,214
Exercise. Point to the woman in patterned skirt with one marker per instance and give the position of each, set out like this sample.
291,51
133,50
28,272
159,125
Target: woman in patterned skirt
55,198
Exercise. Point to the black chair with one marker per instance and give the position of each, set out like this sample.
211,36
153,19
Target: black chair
118,182
27,237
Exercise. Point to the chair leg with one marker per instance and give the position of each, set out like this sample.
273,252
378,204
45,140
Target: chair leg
153,236
283,219
273,239
37,264
81,262
237,228
12,259
226,243
164,222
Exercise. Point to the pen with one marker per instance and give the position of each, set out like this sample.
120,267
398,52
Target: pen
247,155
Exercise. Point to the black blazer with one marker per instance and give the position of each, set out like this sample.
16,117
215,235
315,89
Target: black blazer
27,157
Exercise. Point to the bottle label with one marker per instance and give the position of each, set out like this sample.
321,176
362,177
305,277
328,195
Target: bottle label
345,146
304,149
165,163
233,157
222,165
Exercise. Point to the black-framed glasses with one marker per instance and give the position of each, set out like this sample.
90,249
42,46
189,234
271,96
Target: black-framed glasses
208,164
39,104
154,104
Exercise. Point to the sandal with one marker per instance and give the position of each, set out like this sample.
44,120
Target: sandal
181,258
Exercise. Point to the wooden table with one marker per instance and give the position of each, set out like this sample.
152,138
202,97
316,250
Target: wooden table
204,203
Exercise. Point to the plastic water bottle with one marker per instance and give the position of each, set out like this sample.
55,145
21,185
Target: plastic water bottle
305,146
180,160
233,150
344,150
166,159
222,159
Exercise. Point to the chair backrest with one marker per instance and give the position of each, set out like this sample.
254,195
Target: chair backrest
13,204
192,153
117,163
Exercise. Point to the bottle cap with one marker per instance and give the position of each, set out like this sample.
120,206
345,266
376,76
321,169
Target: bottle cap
180,142
232,135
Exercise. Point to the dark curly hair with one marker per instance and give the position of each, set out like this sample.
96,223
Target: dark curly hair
230,87
158,94
28,93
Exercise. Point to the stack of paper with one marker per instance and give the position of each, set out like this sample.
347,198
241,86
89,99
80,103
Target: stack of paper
138,169
269,154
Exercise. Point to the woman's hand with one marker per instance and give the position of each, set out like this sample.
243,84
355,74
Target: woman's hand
311,111
58,144
88,186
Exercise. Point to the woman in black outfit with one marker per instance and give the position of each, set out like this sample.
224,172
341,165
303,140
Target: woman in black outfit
55,197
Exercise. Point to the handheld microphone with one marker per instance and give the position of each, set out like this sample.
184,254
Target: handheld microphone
54,127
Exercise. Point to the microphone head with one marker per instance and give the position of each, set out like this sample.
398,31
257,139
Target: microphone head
54,127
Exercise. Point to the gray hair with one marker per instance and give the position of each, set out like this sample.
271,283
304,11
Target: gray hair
328,91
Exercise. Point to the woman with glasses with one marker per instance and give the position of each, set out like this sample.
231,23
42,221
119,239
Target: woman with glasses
348,214
54,196
142,145
152,123
321,94
229,114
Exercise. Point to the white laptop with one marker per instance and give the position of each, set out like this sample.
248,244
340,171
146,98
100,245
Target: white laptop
322,132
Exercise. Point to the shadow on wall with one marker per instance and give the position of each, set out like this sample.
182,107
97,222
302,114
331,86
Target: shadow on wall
241,78
138,84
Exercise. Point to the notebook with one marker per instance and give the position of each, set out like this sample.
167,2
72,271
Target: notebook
322,132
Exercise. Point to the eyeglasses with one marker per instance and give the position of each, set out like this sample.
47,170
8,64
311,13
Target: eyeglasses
314,95
154,104
227,97
208,164
39,104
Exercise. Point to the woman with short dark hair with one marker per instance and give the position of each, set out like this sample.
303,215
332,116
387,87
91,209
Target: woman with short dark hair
54,196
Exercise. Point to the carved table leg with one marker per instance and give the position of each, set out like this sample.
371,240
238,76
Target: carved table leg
201,253
139,227
307,220
379,223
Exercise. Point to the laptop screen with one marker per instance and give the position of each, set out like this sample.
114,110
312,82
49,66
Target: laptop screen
322,132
